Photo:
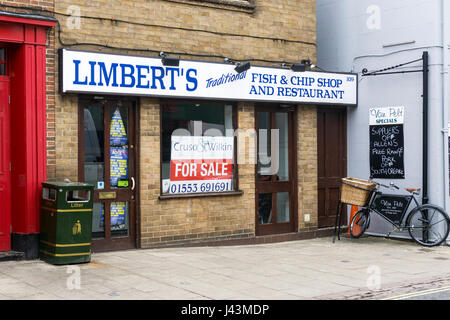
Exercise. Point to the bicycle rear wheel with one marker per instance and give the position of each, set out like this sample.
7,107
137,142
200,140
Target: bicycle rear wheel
428,226
359,223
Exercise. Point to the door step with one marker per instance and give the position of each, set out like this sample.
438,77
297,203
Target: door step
11,256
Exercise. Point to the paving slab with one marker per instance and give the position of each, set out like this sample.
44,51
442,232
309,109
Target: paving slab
305,269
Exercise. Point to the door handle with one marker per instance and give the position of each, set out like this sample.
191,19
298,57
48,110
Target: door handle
134,183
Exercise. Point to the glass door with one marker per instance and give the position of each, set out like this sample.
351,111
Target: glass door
107,160
275,174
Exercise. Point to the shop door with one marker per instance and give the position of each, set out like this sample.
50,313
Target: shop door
107,160
275,177
332,161
5,167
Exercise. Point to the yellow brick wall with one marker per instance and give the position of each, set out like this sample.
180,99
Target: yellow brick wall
172,220
66,137
275,31
307,166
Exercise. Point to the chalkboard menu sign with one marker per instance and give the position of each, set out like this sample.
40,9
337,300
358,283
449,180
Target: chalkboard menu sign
392,206
387,143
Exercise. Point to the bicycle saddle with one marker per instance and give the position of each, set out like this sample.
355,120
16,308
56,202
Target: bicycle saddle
412,189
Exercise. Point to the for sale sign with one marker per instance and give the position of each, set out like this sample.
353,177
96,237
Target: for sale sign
201,164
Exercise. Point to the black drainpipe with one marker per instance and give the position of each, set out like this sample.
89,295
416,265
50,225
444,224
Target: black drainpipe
425,129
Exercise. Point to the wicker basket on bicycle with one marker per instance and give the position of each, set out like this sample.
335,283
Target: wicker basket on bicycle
356,191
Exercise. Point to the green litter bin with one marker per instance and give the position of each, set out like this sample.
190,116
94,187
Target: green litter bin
66,222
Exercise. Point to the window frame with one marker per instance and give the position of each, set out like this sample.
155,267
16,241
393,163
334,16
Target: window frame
235,181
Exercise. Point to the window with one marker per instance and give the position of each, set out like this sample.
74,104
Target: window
197,147
2,62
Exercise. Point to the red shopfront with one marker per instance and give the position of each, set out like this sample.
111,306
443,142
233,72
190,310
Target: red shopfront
23,42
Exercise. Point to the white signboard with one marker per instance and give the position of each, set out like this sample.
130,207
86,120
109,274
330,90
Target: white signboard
385,116
88,72
201,164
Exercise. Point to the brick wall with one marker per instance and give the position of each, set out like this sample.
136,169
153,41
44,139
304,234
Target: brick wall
26,4
51,83
282,30
273,31
307,166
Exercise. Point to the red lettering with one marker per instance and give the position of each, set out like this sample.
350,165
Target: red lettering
200,169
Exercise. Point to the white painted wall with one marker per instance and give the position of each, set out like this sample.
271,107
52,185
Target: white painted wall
374,34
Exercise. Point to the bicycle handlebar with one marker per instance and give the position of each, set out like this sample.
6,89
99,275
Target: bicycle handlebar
390,185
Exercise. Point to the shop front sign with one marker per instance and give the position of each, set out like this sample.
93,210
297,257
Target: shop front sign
201,164
100,73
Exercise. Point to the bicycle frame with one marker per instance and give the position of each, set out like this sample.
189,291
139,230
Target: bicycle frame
399,225
395,209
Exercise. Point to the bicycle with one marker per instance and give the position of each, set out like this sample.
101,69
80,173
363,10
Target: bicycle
427,224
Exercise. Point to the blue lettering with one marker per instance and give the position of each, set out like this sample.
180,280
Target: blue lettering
334,94
331,83
141,76
262,90
264,78
127,75
172,76
108,76
320,82
92,82
192,80
302,81
319,93
77,73
157,77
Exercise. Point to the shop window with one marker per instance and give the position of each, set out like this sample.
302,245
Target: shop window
2,62
197,148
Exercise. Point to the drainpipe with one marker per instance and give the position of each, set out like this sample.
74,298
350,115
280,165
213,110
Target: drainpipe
444,25
425,128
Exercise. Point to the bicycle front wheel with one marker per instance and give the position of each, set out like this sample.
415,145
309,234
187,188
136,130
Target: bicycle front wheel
428,226
359,223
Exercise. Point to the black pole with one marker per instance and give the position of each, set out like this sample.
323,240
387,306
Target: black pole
425,129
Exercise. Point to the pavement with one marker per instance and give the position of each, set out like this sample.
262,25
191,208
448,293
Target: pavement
365,268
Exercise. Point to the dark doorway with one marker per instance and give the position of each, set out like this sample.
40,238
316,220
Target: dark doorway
332,161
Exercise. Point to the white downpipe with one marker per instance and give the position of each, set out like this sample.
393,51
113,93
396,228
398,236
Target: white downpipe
444,25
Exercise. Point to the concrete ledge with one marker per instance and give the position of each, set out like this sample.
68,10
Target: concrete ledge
12,256
302,235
